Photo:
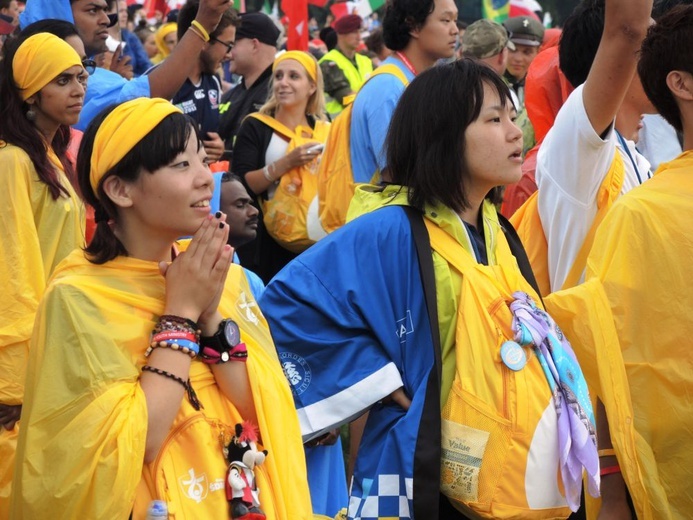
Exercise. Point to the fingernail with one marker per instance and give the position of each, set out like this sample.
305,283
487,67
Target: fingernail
218,214
221,225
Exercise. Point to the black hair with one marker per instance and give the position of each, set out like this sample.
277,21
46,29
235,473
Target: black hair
661,7
329,36
157,149
5,4
187,14
663,51
229,177
425,142
60,28
402,17
580,39
22,132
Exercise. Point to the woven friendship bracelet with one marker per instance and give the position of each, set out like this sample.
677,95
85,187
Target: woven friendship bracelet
192,396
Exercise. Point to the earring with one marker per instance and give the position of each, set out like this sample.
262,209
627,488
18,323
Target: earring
31,115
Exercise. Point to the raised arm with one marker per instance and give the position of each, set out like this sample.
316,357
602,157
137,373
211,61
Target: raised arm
167,78
625,26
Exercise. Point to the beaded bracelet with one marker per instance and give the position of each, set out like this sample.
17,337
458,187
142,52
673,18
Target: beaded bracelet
188,347
192,396
203,32
610,452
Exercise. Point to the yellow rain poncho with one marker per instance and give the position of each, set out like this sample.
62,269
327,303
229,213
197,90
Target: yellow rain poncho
631,326
85,416
37,232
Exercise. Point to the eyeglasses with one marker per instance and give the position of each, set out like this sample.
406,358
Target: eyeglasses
229,46
89,66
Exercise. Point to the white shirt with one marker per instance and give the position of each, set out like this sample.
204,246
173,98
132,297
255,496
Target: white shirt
572,163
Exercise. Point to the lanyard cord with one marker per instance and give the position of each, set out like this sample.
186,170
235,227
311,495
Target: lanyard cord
632,160
406,62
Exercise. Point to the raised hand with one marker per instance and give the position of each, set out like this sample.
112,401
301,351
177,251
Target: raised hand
195,278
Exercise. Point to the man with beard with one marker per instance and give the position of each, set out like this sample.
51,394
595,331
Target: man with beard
201,92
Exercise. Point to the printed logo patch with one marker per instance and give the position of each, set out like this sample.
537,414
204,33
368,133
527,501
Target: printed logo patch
297,371
194,487
246,306
404,326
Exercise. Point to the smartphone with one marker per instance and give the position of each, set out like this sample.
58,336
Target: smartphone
317,148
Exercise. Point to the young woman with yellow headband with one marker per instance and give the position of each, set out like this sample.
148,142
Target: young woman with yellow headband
41,217
135,382
166,38
260,157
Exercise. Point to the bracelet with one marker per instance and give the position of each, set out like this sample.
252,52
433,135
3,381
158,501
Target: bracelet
610,452
203,32
166,335
171,323
188,347
266,174
197,33
192,396
609,470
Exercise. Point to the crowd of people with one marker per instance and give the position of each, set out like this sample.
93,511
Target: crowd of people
500,319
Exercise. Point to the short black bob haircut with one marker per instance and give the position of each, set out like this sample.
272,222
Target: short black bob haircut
157,149
425,142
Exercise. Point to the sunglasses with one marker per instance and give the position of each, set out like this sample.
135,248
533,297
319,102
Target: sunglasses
89,66
229,46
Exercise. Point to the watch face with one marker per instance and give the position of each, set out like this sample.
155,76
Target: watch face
232,334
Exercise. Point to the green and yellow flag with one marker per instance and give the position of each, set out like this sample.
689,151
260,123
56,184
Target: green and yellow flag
496,10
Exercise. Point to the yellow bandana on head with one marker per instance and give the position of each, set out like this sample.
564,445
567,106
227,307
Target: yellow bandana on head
162,33
122,129
303,58
39,60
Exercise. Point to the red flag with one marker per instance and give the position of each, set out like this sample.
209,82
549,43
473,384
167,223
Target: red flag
297,13
319,3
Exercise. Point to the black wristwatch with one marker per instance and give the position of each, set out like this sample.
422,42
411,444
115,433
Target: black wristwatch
224,340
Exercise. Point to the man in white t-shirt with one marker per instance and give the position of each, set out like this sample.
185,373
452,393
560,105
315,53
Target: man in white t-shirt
598,55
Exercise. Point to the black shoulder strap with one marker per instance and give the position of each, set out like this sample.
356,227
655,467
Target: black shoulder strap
428,277
518,251
426,486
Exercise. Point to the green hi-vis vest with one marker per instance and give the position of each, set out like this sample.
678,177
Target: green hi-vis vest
356,76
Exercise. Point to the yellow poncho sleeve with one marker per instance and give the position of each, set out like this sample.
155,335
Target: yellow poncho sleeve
631,328
91,420
22,274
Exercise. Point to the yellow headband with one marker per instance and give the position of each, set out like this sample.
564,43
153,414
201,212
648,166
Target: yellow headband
162,33
39,60
303,58
122,129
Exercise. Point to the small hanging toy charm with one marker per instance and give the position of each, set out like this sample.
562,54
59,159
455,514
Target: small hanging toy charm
243,455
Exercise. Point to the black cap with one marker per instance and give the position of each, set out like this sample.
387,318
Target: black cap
258,26
525,30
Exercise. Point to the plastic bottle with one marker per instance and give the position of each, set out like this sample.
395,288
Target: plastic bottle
157,510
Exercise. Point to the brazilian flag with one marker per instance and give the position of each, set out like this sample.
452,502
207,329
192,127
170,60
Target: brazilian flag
496,10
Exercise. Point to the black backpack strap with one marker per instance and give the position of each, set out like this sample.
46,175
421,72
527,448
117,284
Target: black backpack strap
518,251
427,455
